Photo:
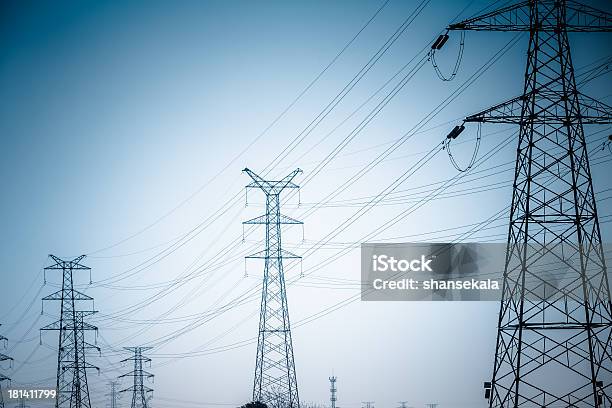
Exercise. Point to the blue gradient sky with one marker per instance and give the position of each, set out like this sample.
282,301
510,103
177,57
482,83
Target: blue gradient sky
113,113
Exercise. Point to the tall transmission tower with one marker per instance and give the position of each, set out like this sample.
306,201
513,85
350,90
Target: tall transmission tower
367,404
275,381
3,378
72,366
333,390
138,389
113,395
554,343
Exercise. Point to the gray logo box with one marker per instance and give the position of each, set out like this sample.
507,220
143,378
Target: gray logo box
459,272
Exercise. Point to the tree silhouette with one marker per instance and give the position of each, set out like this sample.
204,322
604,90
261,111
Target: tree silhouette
255,404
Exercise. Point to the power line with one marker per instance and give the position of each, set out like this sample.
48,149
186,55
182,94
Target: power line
257,138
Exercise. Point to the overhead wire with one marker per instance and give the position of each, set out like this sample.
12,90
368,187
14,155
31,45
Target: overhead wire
259,136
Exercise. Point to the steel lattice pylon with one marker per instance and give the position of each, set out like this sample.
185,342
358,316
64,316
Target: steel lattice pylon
275,379
72,366
113,394
22,404
138,389
333,390
554,335
3,378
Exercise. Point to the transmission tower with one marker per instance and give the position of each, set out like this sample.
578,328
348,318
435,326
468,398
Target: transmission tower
113,394
333,390
139,390
3,378
22,404
367,404
72,388
554,341
275,380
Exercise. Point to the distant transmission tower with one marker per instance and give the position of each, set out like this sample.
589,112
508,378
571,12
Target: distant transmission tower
333,390
403,404
275,379
139,390
554,345
3,378
72,388
113,395
22,404
367,404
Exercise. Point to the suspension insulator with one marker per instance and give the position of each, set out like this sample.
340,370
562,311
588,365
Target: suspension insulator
439,43
455,132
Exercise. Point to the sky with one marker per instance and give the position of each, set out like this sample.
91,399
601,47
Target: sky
125,126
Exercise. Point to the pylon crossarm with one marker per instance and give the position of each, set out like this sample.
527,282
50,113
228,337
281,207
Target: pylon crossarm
61,264
4,378
287,181
137,348
144,360
510,18
58,296
262,255
516,17
87,326
274,187
257,220
505,112
92,346
288,220
257,180
264,219
592,111
4,357
90,366
583,18
53,326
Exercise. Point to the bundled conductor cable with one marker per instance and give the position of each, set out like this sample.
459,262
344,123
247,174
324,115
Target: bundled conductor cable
437,45
452,136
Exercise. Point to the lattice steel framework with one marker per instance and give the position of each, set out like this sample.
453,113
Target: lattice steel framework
139,389
113,394
22,404
333,390
3,358
554,332
275,379
72,366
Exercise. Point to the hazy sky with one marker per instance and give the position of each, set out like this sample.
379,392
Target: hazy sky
125,127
